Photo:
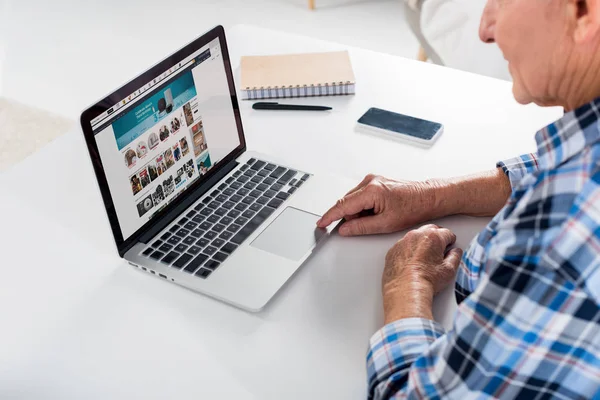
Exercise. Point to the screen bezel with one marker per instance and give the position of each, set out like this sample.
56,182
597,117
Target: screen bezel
124,244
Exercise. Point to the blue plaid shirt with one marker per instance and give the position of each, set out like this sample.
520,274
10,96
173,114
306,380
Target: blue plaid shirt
528,288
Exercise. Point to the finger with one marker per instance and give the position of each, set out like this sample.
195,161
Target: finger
364,226
362,184
447,236
428,227
349,205
453,257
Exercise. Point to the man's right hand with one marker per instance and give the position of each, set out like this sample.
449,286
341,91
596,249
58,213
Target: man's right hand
381,205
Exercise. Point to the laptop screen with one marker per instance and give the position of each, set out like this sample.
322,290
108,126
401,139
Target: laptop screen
166,135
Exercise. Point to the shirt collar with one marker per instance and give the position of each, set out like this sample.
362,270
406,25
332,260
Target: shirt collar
569,136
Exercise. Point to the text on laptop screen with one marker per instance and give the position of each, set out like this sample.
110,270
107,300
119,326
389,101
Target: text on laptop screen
166,135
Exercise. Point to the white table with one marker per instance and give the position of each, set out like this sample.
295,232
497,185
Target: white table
77,322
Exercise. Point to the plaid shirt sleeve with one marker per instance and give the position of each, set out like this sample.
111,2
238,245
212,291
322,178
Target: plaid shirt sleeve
518,167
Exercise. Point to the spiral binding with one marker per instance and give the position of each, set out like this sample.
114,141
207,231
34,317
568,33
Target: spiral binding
283,92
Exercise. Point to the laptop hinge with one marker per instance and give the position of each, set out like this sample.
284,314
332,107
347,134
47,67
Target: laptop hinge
177,211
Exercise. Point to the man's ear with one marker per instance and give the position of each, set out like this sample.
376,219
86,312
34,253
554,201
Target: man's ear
587,19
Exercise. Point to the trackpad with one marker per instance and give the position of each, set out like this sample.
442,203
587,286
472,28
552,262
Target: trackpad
291,235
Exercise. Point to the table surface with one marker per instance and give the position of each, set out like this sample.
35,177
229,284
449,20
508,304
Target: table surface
78,322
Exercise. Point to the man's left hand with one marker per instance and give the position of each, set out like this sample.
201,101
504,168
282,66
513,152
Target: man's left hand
416,268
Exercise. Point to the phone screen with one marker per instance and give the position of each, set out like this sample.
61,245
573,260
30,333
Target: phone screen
399,123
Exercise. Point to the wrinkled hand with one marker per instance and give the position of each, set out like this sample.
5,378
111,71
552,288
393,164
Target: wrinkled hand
420,257
380,205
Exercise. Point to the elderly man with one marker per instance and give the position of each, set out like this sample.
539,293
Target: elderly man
527,325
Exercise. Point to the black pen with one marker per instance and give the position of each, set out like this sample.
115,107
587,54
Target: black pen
277,106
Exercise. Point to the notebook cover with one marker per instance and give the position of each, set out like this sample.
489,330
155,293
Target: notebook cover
296,70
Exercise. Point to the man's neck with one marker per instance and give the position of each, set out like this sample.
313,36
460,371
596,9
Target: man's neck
584,85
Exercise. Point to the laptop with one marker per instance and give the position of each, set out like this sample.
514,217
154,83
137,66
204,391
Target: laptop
186,201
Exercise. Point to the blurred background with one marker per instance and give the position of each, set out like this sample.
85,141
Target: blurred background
57,57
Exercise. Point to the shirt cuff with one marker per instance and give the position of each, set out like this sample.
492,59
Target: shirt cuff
392,351
518,167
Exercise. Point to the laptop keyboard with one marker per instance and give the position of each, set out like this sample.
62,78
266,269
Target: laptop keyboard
211,230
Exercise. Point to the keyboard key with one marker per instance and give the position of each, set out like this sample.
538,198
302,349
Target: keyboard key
262,187
258,165
292,190
148,251
228,205
222,186
191,214
233,228
198,219
228,191
241,220
189,240
256,179
293,182
202,242
282,195
195,263
236,185
241,206
244,167
215,204
212,264
174,240
262,200
182,232
215,193
199,207
277,187
210,250
221,211
213,218
305,177
207,200
233,213
169,258
205,225
218,228
221,198
250,173
243,192
236,174
256,206
270,167
194,250
248,200
157,244
242,179
275,203
157,255
251,161
255,193
268,181
288,176
300,182
236,198
220,256
252,225
203,273
226,220
181,247
278,172
197,233
174,228
182,221
263,172
206,212
226,235
248,214
270,193
250,185
210,235
181,261
190,225
165,247
217,243
229,248
166,235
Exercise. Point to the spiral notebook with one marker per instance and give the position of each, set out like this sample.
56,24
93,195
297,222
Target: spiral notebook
297,75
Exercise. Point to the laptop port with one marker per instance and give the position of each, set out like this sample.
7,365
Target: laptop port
162,276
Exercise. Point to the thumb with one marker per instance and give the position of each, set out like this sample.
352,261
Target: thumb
363,226
453,257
